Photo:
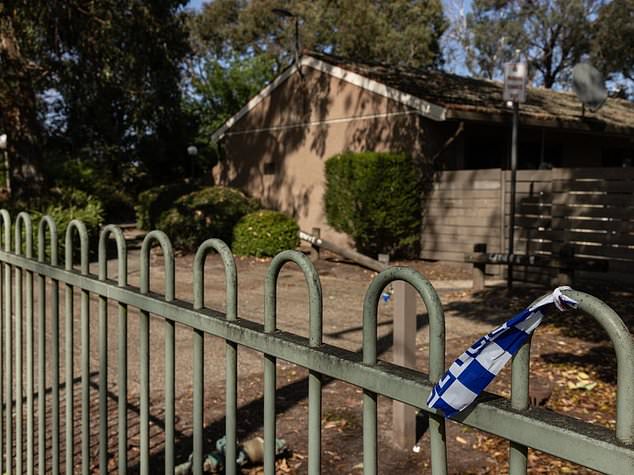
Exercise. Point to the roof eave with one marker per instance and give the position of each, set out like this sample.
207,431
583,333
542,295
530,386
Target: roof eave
588,125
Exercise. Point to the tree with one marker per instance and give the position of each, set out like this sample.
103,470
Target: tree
399,32
95,82
218,89
553,35
21,81
613,44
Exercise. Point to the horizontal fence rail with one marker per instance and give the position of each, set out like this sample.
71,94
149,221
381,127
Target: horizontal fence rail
562,436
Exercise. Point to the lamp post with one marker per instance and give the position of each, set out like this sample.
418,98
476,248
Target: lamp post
7,175
192,151
515,76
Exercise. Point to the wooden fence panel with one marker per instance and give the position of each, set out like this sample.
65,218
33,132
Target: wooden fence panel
591,208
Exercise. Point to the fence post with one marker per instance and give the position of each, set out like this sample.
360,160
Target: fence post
403,415
404,327
479,268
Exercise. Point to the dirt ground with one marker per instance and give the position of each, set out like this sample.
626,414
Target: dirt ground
571,359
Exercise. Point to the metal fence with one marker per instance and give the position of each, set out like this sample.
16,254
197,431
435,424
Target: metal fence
586,444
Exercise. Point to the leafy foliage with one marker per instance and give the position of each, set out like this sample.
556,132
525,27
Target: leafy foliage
221,88
613,45
401,32
200,215
95,81
155,201
552,34
70,204
376,199
265,233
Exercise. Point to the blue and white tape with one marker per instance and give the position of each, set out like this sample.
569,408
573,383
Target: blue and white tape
479,365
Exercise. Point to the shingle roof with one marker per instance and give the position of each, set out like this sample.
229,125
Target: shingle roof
470,98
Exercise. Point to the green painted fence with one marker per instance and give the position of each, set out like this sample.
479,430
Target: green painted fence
586,444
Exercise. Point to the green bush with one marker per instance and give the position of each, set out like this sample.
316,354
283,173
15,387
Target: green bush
155,201
210,212
376,199
98,181
65,205
265,233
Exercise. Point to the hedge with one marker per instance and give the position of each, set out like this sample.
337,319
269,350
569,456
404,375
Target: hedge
264,234
376,199
208,213
153,202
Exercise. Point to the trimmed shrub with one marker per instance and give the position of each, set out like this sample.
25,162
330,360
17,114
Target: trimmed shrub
155,201
376,199
264,234
210,212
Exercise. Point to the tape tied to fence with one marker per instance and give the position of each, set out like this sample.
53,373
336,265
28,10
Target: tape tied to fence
474,369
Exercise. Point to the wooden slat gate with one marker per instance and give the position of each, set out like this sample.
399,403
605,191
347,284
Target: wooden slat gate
590,208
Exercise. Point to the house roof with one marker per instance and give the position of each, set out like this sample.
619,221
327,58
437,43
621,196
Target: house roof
442,96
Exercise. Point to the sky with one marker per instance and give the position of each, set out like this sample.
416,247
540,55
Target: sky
195,4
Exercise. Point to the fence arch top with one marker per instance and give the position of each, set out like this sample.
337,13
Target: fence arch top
47,221
161,238
231,275
624,349
122,254
24,218
315,309
83,245
6,219
434,310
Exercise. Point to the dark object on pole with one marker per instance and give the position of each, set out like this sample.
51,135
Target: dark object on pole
513,184
588,86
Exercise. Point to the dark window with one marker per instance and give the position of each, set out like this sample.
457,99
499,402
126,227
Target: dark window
617,157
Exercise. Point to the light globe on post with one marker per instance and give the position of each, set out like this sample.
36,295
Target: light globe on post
192,151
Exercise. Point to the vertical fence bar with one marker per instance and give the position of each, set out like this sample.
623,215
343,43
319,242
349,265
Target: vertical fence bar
122,383
144,374
315,340
8,350
436,363
518,454
41,384
68,378
168,256
18,302
25,218
122,271
231,285
84,354
2,344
